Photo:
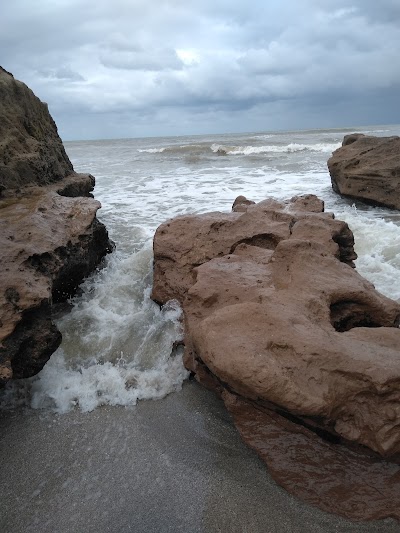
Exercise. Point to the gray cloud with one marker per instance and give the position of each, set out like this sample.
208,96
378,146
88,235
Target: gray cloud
173,66
62,73
140,59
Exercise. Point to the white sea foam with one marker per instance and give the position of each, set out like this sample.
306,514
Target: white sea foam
377,243
175,148
264,136
151,150
374,132
61,388
280,149
117,344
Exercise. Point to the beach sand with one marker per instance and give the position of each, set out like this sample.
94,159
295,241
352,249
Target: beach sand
173,465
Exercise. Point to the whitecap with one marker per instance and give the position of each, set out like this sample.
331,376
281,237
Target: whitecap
288,148
151,150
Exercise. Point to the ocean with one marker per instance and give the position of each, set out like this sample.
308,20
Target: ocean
118,346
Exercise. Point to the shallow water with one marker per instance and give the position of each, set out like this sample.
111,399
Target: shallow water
176,465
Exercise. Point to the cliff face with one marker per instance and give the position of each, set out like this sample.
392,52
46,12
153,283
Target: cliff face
31,151
50,237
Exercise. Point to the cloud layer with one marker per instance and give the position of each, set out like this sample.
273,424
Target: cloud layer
135,68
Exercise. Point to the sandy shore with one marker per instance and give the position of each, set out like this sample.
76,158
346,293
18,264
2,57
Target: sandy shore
163,466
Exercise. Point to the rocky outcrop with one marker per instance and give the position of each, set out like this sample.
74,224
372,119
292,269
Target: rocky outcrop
319,470
50,237
368,168
31,152
276,317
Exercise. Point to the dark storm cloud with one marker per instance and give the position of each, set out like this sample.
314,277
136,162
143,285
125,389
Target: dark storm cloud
174,66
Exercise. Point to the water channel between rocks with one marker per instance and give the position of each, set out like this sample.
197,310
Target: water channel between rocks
160,464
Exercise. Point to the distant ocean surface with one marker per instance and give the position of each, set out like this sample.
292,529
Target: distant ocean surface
117,343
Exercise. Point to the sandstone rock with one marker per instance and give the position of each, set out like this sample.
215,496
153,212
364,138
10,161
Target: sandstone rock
276,315
368,168
50,237
31,152
189,241
241,204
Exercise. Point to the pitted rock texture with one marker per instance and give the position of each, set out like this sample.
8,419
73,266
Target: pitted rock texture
367,168
50,237
276,314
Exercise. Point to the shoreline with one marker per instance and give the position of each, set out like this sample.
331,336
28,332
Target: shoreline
176,464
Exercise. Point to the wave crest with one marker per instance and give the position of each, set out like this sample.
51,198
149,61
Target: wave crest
288,148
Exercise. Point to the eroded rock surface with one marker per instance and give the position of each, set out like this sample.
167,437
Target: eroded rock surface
276,315
319,471
367,168
50,237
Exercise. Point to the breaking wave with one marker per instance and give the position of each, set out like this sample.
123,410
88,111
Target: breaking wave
377,243
151,150
128,342
185,148
222,149
288,148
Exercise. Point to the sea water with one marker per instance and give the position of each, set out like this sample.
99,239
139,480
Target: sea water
118,345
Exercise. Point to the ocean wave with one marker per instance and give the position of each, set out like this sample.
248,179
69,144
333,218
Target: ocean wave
377,243
151,150
176,149
222,149
373,132
118,345
288,148
265,136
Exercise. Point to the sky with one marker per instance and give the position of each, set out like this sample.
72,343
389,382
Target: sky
137,68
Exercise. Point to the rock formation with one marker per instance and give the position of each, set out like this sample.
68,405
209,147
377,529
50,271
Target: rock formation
368,168
277,317
50,237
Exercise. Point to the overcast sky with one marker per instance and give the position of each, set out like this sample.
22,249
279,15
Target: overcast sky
133,68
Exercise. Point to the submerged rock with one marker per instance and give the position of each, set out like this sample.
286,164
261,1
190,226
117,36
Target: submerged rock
276,315
50,237
367,168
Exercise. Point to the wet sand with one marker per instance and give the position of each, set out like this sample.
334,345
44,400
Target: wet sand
172,465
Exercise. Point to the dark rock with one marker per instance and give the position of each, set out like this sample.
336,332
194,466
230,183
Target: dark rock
31,152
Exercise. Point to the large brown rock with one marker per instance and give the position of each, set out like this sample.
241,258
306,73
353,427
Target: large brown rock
31,152
274,309
50,237
367,168
276,316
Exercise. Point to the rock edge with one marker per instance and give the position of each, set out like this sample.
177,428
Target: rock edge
367,168
49,234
